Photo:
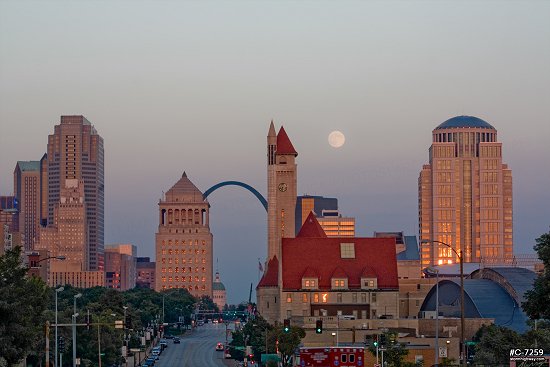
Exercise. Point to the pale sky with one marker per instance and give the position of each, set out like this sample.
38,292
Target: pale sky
174,86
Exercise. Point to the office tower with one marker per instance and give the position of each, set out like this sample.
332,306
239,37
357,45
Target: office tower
465,195
183,240
120,266
27,187
67,234
337,226
306,204
75,152
281,189
145,269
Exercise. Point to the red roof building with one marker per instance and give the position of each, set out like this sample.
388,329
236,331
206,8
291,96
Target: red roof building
284,145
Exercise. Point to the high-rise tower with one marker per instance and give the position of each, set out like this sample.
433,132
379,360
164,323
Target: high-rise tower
281,189
26,183
465,195
184,241
75,152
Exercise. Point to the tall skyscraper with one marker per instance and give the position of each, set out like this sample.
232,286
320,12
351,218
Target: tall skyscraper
75,152
184,241
465,195
27,187
281,189
306,204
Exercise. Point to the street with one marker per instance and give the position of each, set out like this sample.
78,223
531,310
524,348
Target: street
197,348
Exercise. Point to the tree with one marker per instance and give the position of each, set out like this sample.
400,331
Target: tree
288,342
538,298
494,344
394,352
23,301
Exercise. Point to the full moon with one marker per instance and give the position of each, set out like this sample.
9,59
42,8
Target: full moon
336,139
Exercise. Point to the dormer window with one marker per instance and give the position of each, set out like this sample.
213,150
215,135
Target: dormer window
369,283
339,283
310,283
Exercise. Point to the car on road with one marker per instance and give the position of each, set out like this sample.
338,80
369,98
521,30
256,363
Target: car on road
177,340
163,343
226,353
219,347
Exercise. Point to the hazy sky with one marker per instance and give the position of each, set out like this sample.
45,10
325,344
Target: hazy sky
174,86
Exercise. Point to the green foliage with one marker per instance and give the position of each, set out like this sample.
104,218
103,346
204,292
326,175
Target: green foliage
23,301
538,299
395,352
252,334
288,342
494,344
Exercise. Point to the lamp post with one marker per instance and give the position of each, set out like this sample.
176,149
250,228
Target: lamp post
125,336
60,289
74,326
430,271
460,257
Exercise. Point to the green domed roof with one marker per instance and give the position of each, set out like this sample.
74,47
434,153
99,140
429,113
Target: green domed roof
218,286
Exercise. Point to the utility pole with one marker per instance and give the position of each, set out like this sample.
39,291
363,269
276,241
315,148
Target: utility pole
47,344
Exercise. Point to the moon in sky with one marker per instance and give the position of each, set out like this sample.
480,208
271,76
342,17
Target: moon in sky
336,139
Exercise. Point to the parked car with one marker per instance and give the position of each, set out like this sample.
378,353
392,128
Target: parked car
177,340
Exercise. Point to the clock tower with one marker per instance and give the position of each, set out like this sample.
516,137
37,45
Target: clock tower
281,190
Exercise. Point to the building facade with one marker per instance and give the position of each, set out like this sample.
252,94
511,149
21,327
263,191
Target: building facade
67,234
337,226
120,266
145,273
306,204
27,186
184,241
75,152
354,284
465,195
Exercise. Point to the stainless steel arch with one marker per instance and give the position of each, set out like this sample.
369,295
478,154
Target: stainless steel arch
237,183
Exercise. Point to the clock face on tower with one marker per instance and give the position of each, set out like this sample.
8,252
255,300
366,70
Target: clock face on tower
283,187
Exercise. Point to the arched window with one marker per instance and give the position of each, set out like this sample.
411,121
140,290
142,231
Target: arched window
197,217
170,216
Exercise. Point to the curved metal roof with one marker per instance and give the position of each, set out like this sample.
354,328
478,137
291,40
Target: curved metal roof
218,286
465,121
483,298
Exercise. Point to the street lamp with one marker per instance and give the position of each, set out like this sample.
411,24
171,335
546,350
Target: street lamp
60,289
74,326
431,271
460,257
52,257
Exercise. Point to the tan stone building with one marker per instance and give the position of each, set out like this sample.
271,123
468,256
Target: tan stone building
75,152
27,185
465,195
145,269
184,241
120,266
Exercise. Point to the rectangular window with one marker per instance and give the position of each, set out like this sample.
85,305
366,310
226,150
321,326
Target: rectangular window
373,297
363,298
354,297
347,250
289,297
339,297
316,297
304,297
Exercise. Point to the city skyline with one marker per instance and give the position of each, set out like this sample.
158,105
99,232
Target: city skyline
199,98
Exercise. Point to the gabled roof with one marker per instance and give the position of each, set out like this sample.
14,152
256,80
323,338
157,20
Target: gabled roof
29,165
311,228
271,275
323,254
368,272
284,146
339,273
310,273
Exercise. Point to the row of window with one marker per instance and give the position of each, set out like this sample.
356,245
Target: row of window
183,252
324,297
183,261
182,242
183,269
183,279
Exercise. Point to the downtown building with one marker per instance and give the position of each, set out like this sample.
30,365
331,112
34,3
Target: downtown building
184,241
75,152
120,266
465,196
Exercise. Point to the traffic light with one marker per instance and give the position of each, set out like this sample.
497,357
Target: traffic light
88,323
319,326
251,358
375,343
382,339
286,327
61,343
128,322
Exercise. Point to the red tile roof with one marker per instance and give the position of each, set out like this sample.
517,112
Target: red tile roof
271,276
339,273
284,146
323,255
310,273
311,228
368,272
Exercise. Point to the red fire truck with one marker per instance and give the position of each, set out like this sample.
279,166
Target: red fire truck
332,357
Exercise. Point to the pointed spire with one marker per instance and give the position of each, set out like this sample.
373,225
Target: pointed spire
271,129
284,146
184,174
